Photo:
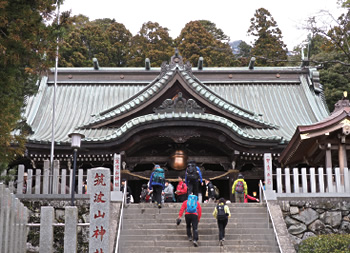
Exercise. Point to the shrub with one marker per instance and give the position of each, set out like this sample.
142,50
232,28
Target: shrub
326,244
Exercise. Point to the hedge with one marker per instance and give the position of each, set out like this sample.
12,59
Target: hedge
333,243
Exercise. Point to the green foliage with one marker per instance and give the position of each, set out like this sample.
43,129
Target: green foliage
83,40
195,41
153,42
329,48
268,48
217,33
25,37
326,244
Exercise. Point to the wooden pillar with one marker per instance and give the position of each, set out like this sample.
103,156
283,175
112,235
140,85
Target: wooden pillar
342,157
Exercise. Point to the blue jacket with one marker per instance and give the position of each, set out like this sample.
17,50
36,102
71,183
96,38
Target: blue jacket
151,183
199,173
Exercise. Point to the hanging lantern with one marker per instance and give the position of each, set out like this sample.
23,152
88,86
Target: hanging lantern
179,160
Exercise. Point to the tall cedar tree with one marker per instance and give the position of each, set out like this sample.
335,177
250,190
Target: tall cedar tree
104,39
332,53
25,37
152,41
268,48
195,41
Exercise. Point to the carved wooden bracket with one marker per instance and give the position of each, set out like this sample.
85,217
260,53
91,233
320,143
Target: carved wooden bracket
178,104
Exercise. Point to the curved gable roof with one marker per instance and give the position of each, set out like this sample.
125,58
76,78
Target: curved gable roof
172,74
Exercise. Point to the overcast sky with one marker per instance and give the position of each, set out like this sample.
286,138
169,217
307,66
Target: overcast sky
232,16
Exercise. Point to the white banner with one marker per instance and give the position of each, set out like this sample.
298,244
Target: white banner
116,172
268,171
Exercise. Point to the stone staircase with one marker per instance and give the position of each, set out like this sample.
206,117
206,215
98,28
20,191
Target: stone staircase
149,229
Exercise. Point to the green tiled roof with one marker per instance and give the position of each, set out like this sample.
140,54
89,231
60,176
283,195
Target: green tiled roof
277,105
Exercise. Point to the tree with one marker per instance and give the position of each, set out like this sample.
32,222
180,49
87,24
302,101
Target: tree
217,33
330,46
195,41
25,37
152,41
268,48
104,39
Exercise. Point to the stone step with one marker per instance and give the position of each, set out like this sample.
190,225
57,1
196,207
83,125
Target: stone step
211,231
182,237
155,210
179,243
206,225
203,205
206,249
211,221
158,216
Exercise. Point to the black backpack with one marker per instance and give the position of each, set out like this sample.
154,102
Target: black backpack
221,215
192,173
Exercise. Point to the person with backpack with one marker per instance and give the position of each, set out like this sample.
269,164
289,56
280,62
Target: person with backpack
193,173
181,190
239,188
210,191
193,213
222,213
157,184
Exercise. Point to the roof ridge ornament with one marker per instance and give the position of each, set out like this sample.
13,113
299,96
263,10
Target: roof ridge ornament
176,62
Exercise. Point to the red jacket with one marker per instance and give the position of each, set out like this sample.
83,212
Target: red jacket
184,206
246,197
181,188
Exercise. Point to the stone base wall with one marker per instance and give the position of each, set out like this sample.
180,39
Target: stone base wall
305,218
34,217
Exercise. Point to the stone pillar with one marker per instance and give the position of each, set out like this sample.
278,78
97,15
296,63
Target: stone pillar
338,179
6,209
20,178
346,180
37,181
287,178
330,180
56,175
70,231
99,190
296,180
30,181
313,180
46,177
63,181
279,180
46,229
12,226
80,181
304,180
321,180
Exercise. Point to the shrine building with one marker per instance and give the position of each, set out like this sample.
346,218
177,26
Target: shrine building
224,118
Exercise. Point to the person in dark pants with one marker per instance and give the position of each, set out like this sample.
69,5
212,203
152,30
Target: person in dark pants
157,184
222,213
193,174
192,216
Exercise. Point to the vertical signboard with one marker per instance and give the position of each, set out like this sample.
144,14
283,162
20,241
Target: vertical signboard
98,183
116,172
268,171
